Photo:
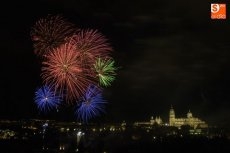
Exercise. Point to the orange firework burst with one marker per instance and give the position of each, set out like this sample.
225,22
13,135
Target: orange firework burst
64,70
92,45
50,32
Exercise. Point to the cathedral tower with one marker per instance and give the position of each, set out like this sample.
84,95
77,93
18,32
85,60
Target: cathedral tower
171,117
189,114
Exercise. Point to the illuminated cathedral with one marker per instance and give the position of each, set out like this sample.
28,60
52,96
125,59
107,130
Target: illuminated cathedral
190,120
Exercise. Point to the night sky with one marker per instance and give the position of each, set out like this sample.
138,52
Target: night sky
168,53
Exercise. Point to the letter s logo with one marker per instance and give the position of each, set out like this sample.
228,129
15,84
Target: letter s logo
215,8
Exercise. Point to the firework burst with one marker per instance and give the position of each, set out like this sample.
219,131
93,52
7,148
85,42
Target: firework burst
50,32
92,45
73,62
64,70
91,104
105,70
46,99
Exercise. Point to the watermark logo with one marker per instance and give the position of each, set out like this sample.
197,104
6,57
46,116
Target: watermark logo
218,11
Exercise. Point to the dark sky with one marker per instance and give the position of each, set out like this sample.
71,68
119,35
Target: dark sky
169,53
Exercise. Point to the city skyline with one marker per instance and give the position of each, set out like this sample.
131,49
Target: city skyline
167,54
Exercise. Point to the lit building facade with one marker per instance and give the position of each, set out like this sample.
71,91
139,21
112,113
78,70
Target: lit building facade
157,120
152,121
190,120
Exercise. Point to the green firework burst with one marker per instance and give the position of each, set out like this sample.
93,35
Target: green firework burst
105,71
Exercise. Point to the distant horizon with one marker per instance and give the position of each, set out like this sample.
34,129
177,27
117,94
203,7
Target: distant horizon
101,121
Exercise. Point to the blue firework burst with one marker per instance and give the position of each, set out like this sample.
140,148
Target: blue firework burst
91,104
46,99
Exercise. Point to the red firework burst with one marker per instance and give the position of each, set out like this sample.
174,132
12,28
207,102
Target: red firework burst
64,70
92,45
50,32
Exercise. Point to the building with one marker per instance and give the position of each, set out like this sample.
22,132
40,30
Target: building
152,121
157,120
190,120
